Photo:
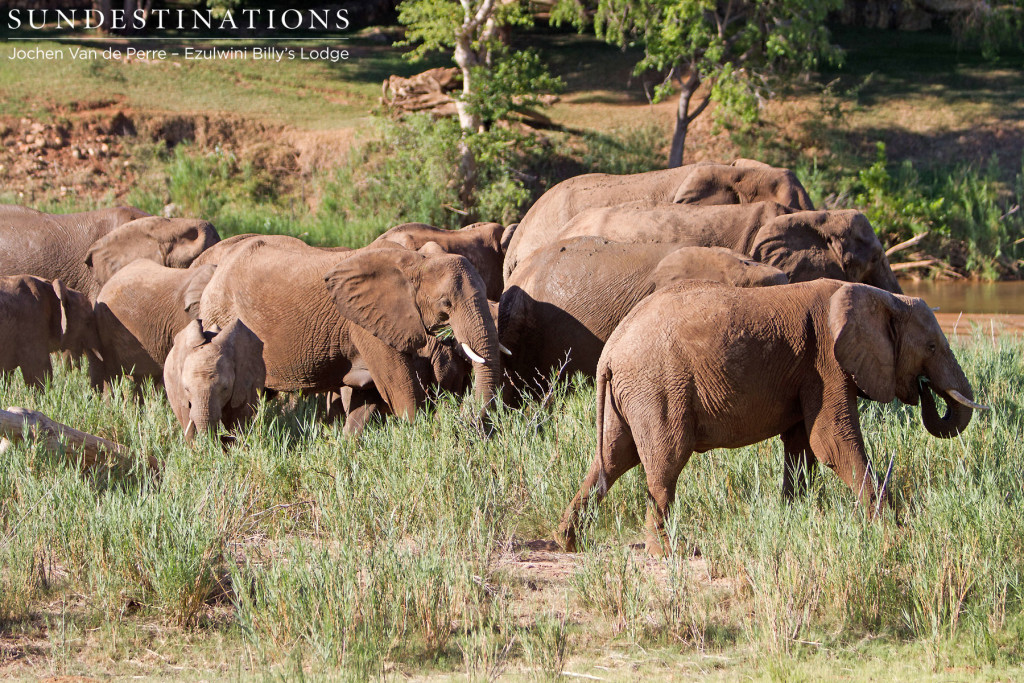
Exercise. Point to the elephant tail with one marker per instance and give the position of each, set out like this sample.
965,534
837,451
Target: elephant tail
604,400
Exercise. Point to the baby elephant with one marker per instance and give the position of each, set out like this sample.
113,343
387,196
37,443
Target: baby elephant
705,366
38,317
214,376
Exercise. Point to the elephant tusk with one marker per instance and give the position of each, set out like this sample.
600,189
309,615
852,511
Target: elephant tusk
960,398
935,309
504,349
190,430
473,355
99,356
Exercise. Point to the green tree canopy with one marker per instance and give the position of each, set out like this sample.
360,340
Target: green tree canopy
740,49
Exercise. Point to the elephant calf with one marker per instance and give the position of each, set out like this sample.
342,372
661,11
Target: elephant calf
38,317
214,376
706,366
564,301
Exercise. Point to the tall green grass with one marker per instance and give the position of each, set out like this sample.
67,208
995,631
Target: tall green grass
303,550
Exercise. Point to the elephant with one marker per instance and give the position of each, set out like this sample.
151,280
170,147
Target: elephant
566,299
703,366
140,310
441,366
39,317
742,182
483,244
805,245
330,319
84,249
214,376
224,248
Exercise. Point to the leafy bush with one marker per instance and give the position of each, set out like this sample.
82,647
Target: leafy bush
971,222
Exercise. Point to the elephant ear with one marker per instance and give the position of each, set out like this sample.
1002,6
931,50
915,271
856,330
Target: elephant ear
506,236
710,184
375,289
192,336
432,248
795,244
860,318
194,291
183,240
851,240
250,369
63,301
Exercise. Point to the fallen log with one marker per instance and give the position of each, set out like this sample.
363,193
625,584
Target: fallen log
86,449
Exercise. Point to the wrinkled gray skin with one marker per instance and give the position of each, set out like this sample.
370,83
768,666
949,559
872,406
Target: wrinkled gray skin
566,299
214,376
225,248
483,244
353,319
806,245
703,366
138,312
84,249
742,182
39,317
442,366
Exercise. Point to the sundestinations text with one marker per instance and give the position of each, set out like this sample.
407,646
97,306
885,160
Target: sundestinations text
182,20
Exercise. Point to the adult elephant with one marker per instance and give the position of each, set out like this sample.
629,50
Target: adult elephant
329,320
140,310
223,249
84,249
566,299
483,245
698,367
742,182
805,245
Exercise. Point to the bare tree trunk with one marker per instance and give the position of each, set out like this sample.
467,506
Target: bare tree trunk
474,27
690,84
19,423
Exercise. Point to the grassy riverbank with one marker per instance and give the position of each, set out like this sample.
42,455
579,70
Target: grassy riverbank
920,135
420,549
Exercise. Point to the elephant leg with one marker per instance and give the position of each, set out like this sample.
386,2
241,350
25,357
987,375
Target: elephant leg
361,406
616,455
36,371
836,440
798,463
393,374
663,458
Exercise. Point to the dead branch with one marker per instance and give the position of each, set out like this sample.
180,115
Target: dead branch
18,423
906,244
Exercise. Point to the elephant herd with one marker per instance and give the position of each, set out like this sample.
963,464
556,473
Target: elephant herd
712,304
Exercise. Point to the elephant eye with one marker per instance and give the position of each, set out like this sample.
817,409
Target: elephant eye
931,347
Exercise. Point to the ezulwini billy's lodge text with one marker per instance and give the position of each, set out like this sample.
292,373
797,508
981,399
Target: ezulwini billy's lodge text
265,54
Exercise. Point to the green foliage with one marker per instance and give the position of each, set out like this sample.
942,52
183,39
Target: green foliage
517,81
996,28
970,221
433,24
741,49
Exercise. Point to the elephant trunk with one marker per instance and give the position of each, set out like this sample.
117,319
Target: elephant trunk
203,417
881,276
956,393
477,335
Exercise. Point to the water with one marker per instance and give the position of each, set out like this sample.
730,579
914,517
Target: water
969,297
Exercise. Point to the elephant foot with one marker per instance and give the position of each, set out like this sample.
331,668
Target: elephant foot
565,537
656,545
